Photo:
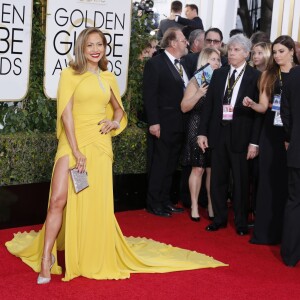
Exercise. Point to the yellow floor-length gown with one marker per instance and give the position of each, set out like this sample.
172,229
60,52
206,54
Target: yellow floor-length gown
90,235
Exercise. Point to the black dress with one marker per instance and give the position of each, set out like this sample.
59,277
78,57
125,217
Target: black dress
192,154
272,190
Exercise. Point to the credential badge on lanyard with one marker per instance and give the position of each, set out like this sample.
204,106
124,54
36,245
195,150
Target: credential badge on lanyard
276,103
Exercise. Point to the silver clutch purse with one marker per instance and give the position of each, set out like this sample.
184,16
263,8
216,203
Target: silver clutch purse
80,180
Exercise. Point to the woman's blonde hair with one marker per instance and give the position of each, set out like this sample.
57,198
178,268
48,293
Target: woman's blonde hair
79,64
204,56
266,50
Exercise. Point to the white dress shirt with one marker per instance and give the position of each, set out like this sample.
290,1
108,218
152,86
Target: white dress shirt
237,86
238,83
172,59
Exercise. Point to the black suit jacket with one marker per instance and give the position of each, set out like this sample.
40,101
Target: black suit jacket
246,122
290,115
190,60
166,24
224,61
163,90
195,23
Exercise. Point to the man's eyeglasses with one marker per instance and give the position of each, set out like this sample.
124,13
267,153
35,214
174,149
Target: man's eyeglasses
209,41
182,41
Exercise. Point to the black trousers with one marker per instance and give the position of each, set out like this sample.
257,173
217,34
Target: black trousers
163,156
290,246
223,161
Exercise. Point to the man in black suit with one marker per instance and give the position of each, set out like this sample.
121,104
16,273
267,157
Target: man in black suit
290,112
163,86
192,20
164,25
232,131
213,38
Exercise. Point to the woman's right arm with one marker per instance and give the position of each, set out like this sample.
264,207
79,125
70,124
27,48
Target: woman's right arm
260,107
263,104
192,95
68,121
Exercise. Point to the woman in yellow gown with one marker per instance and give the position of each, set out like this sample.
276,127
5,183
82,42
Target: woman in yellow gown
83,224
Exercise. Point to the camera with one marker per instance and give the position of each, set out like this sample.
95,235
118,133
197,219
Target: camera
144,6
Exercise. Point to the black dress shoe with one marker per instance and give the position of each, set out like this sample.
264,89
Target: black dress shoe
173,209
242,231
211,218
215,227
159,212
290,265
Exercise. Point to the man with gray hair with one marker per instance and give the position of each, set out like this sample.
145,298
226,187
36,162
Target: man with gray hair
232,131
196,42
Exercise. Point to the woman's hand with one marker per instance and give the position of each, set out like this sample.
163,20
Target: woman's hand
80,161
248,102
108,126
202,90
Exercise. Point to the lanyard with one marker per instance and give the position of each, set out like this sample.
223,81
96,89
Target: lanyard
230,89
280,80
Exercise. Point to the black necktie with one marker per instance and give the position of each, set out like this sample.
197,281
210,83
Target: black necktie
178,66
227,96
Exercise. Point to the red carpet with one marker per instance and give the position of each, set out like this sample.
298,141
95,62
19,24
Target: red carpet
254,272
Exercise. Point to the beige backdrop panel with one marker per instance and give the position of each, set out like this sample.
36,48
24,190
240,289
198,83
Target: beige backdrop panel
66,19
15,46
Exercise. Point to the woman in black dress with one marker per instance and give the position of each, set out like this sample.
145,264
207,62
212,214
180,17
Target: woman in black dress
272,185
192,154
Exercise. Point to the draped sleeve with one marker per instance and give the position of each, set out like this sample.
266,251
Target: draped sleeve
66,87
111,79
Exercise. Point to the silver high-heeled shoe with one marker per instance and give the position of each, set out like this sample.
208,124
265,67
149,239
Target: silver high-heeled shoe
44,280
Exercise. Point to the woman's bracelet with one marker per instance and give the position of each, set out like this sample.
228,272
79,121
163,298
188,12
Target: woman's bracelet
117,123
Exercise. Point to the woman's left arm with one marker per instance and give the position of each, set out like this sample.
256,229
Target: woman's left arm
109,125
192,95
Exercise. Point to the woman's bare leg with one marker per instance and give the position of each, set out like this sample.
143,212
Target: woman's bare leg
209,206
195,186
58,200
